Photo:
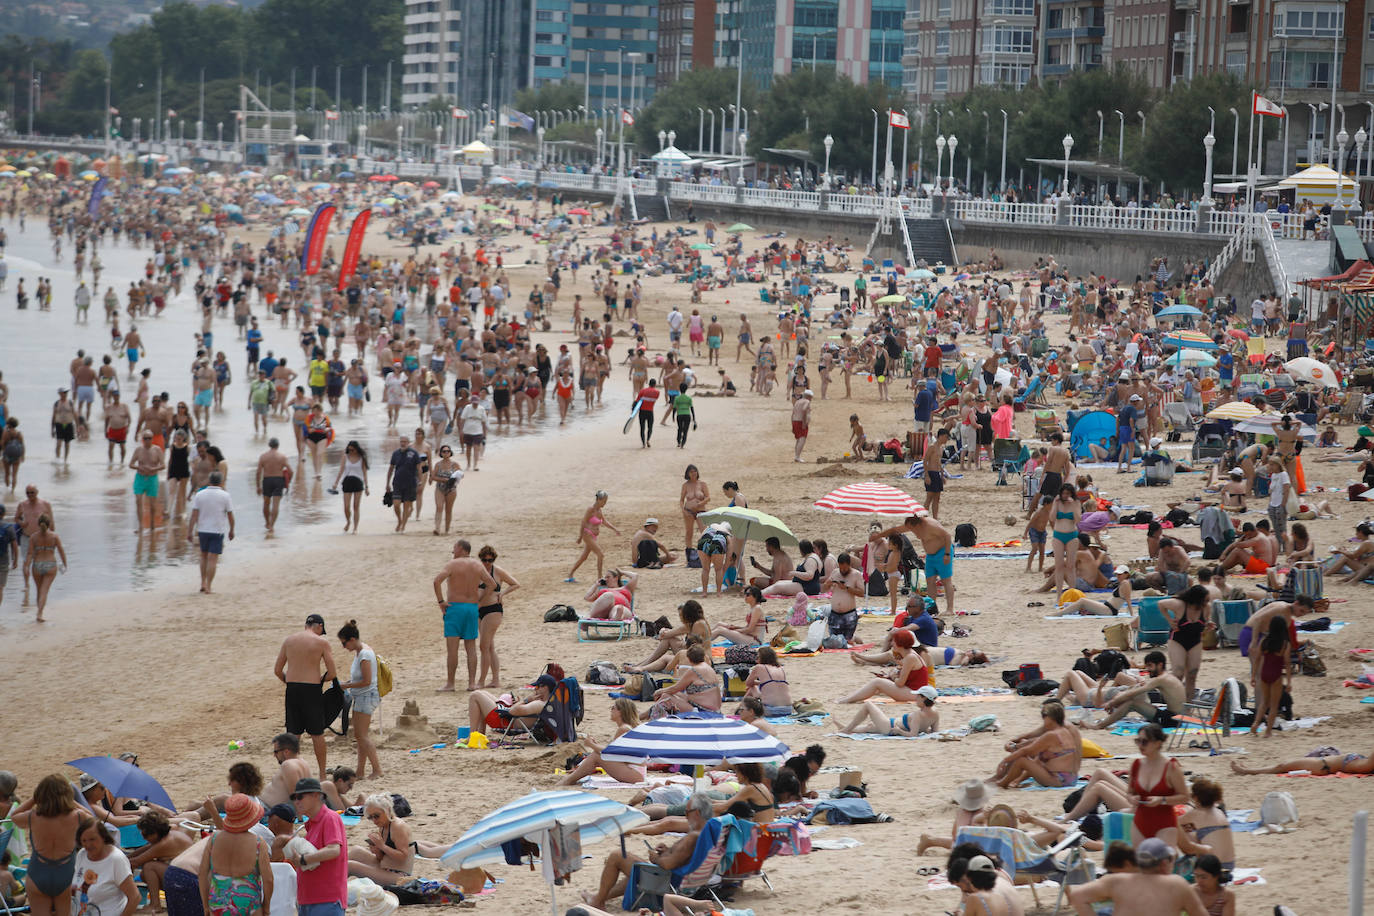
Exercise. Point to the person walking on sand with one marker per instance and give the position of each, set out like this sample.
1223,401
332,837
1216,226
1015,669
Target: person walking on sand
935,471
801,422
403,481
589,531
457,588
212,520
298,667
147,461
274,472
117,423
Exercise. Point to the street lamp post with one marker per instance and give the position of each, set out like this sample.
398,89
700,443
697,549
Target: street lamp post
1068,146
874,175
599,134
540,134
701,122
1208,142
1342,139
939,158
662,138
1140,190
743,138
1120,146
901,187
1235,143
953,145
219,133
711,146
1002,184
1360,138
828,142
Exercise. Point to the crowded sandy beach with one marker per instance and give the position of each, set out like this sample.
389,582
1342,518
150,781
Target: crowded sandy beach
668,451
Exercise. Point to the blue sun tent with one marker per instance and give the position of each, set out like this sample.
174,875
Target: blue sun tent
1093,426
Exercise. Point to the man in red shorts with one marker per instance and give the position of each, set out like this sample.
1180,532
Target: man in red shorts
801,422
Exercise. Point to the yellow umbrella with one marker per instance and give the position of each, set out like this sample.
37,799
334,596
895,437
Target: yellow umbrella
23,173
1234,410
7,168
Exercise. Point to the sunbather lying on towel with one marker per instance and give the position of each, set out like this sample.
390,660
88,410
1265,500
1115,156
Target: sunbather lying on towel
1360,764
871,719
1094,693
1136,699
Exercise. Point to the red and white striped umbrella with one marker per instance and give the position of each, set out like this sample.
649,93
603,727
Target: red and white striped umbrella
868,499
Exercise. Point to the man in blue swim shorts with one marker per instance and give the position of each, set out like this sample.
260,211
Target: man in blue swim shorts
456,589
938,543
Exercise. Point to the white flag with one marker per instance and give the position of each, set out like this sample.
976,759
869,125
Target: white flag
1263,106
897,119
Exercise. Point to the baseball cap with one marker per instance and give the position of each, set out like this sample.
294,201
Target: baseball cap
1156,442
1136,397
1236,472
1122,569
314,619
928,692
286,811
1153,851
546,681
650,521
306,786
983,863
809,393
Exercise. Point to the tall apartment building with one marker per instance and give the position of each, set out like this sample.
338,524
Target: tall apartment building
950,46
686,38
484,51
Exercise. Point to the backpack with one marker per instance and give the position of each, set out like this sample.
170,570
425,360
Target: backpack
965,535
1111,663
1278,809
911,560
384,678
560,613
399,803
1037,687
604,673
1311,661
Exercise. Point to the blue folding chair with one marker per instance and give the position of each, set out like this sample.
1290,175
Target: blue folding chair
1230,616
1154,626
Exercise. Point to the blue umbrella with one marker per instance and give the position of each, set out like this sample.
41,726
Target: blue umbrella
1179,311
124,780
694,739
167,190
345,175
232,208
524,184
548,184
533,816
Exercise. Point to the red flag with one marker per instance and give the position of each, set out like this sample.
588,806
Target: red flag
314,238
331,115
897,119
1262,106
353,248
626,118
459,113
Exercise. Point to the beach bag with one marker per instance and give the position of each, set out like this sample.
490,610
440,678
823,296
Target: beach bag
401,805
653,627
1117,635
560,613
783,637
1111,663
1311,661
983,723
1037,688
965,535
816,633
1278,809
693,558
877,584
741,655
337,705
384,677
1292,505
427,892
911,560
604,673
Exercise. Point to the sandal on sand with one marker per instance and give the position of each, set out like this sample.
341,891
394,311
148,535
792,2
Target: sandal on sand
927,872
1036,604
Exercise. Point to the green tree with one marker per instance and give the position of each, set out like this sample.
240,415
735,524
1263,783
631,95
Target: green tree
564,96
802,108
676,107
1173,150
84,86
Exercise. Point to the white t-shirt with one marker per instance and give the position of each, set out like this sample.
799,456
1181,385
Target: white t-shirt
110,872
214,506
1276,484
474,418
355,673
675,320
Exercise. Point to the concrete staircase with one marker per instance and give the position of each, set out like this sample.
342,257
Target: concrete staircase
652,207
930,239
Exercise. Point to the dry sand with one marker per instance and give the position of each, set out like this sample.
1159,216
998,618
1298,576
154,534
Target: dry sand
175,676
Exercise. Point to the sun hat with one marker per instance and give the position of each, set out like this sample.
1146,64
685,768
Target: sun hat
650,521
809,393
1156,442
299,846
86,783
306,786
241,812
373,899
1153,851
1136,397
981,863
972,794
929,692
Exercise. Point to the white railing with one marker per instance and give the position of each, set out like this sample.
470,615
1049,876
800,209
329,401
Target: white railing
707,193
1264,233
990,211
1224,258
858,204
916,208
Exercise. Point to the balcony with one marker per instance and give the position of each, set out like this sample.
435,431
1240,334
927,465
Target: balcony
1082,32
1064,69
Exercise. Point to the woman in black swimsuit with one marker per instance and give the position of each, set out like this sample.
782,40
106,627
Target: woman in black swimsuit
1188,620
388,855
982,417
179,468
490,613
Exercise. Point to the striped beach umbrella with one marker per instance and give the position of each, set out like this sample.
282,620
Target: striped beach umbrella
1195,340
529,816
1191,357
1234,410
694,739
868,499
1179,311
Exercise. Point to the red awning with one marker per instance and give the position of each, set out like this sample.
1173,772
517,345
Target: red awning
1347,276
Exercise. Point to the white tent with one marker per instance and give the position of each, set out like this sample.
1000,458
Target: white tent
1318,184
477,150
671,162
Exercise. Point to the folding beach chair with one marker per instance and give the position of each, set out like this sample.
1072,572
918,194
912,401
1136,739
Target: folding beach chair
556,723
1154,626
742,867
593,629
1028,862
1230,616
1007,455
1204,719
648,883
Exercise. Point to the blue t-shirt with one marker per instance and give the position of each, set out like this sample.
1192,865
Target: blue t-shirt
925,402
927,632
1224,364
1126,417
255,339
8,534
269,365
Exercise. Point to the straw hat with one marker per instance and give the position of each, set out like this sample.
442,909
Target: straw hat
1001,816
373,900
973,794
241,812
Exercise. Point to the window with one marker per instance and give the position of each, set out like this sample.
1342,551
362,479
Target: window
1236,62
942,9
913,11
942,41
885,19
1368,78
1305,70
1316,22
911,42
1007,40
1054,19
1009,8
941,79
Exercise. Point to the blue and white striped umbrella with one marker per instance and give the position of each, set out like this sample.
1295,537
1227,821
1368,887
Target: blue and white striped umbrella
695,740
531,816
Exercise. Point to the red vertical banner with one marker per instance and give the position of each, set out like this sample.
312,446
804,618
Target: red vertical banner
353,248
314,239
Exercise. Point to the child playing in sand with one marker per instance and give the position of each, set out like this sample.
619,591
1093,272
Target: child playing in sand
1036,533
